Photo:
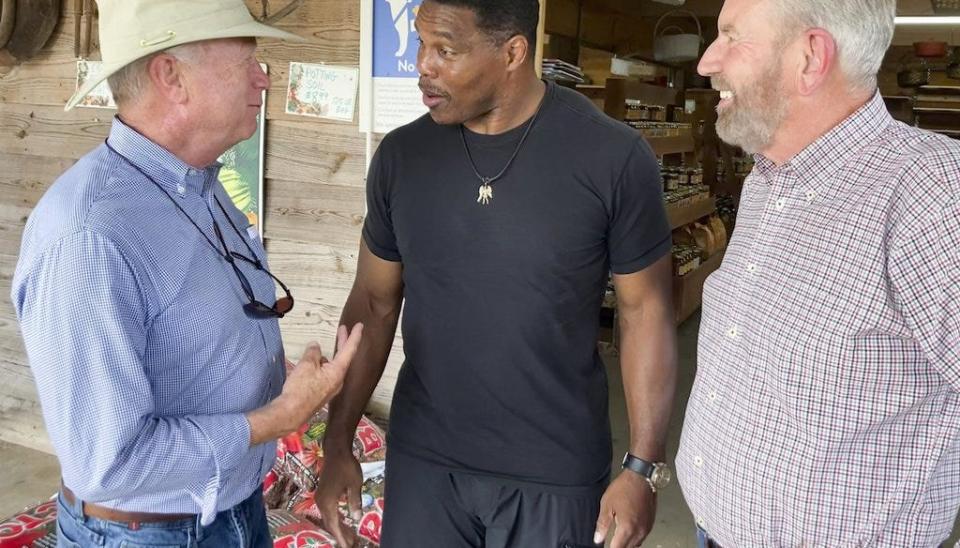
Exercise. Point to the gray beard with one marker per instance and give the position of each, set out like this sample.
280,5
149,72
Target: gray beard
752,123
752,130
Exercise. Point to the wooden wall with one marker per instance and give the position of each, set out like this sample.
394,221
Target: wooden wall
314,188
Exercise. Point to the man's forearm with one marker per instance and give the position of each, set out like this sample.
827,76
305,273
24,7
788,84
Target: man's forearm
272,421
648,362
380,326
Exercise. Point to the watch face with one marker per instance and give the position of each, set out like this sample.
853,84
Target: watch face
661,476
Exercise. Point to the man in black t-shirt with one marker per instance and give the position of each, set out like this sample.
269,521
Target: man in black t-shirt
495,221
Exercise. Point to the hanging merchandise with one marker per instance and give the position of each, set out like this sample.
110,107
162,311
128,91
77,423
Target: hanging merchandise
8,12
34,23
953,68
676,48
917,72
914,72
268,18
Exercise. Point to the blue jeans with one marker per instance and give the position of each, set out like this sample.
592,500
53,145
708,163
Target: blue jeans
243,526
704,540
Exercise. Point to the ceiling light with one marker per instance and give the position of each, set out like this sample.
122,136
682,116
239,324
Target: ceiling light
931,20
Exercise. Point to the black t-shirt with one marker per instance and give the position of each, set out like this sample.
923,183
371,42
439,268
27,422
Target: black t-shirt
502,301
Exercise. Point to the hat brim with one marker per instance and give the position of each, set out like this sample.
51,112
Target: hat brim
246,30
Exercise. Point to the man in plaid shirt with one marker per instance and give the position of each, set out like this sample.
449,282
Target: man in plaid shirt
826,409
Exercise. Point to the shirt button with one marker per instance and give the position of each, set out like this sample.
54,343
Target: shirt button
811,195
712,395
751,268
701,523
780,204
181,189
698,461
732,333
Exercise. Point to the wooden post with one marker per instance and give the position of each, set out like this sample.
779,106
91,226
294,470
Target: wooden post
541,37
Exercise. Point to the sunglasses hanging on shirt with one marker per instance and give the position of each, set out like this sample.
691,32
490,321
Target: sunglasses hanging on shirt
253,309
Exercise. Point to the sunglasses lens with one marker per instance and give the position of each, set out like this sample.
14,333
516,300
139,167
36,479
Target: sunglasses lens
283,305
257,309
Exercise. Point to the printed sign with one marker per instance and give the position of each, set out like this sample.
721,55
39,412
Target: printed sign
389,94
322,91
101,96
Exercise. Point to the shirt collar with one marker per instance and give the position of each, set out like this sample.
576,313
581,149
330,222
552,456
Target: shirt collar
817,164
172,173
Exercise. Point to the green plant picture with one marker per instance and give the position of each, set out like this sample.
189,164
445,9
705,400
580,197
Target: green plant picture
242,172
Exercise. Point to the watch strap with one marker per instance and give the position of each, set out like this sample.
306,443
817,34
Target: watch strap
638,465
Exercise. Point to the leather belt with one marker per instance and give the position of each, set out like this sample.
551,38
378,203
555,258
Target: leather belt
92,510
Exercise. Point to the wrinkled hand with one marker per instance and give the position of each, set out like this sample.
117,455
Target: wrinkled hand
631,505
341,475
315,379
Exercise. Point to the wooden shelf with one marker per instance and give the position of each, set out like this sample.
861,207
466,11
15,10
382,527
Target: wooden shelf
954,133
936,110
682,215
939,90
671,145
688,289
687,297
592,91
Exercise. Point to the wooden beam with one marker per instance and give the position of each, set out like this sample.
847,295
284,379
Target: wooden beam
541,34
914,7
702,8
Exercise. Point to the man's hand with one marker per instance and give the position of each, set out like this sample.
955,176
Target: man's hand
315,380
629,503
311,384
341,475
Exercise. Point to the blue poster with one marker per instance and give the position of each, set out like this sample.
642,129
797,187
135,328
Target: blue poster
394,38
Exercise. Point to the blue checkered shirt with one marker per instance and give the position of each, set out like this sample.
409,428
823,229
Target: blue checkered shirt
144,360
826,408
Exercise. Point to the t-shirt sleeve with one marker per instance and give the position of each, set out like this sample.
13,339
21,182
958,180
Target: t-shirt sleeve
639,233
378,226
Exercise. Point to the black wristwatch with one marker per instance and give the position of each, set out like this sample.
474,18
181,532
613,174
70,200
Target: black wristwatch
657,474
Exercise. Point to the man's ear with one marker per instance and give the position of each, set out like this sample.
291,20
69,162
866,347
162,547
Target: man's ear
819,51
166,74
517,50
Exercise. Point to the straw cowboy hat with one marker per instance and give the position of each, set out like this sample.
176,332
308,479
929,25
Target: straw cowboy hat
133,29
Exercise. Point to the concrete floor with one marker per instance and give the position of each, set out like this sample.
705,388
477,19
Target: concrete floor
27,477
674,527
30,476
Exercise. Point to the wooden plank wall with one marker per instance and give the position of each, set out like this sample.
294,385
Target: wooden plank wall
314,189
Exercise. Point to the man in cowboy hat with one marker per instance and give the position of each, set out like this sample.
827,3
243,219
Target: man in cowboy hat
147,311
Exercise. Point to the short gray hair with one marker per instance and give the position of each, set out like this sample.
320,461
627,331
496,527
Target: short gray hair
128,83
862,29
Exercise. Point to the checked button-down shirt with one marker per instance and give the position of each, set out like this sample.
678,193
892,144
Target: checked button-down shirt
826,408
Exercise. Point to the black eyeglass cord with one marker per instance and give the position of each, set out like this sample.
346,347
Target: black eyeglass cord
225,253
253,254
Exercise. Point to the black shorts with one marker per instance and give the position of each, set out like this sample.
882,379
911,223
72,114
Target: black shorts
428,505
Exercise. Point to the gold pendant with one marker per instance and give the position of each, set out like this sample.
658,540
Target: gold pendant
486,194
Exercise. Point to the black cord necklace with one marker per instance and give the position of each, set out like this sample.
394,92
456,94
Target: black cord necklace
486,188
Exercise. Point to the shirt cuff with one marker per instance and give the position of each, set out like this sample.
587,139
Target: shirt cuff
229,439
